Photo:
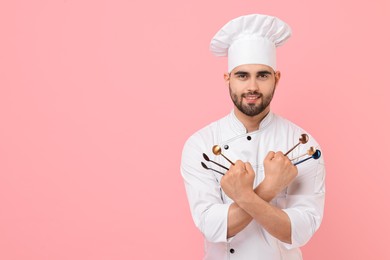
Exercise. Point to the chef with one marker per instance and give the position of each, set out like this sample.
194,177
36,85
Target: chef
259,205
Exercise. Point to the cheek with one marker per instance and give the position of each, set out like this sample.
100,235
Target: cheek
234,92
237,86
268,88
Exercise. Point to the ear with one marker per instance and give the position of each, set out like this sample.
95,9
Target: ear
226,77
277,77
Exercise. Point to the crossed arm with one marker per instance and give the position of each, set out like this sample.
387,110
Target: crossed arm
254,204
218,221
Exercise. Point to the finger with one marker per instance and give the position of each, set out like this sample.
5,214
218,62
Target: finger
239,163
279,153
249,168
269,156
238,167
280,156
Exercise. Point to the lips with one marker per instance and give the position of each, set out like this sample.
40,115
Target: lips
251,97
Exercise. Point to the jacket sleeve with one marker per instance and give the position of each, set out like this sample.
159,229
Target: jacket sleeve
204,192
304,202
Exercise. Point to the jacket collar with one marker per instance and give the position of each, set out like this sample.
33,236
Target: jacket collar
239,127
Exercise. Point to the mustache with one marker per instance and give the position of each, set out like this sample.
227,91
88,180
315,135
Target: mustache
252,93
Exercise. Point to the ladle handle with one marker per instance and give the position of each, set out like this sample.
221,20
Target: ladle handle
216,171
211,169
289,151
227,159
293,159
304,160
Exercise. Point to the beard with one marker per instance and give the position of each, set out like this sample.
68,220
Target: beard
251,109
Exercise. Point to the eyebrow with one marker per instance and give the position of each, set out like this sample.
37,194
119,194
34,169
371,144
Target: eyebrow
264,72
240,72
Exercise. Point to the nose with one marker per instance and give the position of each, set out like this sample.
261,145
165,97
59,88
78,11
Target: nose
253,85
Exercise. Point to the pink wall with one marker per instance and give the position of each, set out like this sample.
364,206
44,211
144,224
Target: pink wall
97,98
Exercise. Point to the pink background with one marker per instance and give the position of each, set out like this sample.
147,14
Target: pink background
98,97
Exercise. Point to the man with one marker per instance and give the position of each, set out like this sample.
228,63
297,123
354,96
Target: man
263,207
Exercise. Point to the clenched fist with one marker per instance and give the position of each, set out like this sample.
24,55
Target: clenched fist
238,181
279,173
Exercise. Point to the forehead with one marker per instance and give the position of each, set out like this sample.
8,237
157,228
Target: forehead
252,68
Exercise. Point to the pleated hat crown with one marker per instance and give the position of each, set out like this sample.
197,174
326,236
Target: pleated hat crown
250,39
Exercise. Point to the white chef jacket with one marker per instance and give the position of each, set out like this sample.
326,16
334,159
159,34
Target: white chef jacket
302,200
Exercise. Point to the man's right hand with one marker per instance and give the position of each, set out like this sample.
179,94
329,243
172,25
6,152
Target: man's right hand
279,173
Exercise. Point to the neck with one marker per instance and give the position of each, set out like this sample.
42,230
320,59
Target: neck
251,123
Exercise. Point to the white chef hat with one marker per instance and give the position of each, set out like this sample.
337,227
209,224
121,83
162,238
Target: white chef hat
250,39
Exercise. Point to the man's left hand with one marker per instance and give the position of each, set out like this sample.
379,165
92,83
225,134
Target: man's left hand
238,181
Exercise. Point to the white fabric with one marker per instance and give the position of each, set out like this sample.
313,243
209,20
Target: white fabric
303,200
250,39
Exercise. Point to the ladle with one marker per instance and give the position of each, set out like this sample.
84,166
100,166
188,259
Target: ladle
304,138
208,159
217,151
207,168
315,156
309,152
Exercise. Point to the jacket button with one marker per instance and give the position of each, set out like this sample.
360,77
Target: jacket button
249,138
226,147
231,250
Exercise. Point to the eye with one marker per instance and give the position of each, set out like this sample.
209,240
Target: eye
263,76
242,76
